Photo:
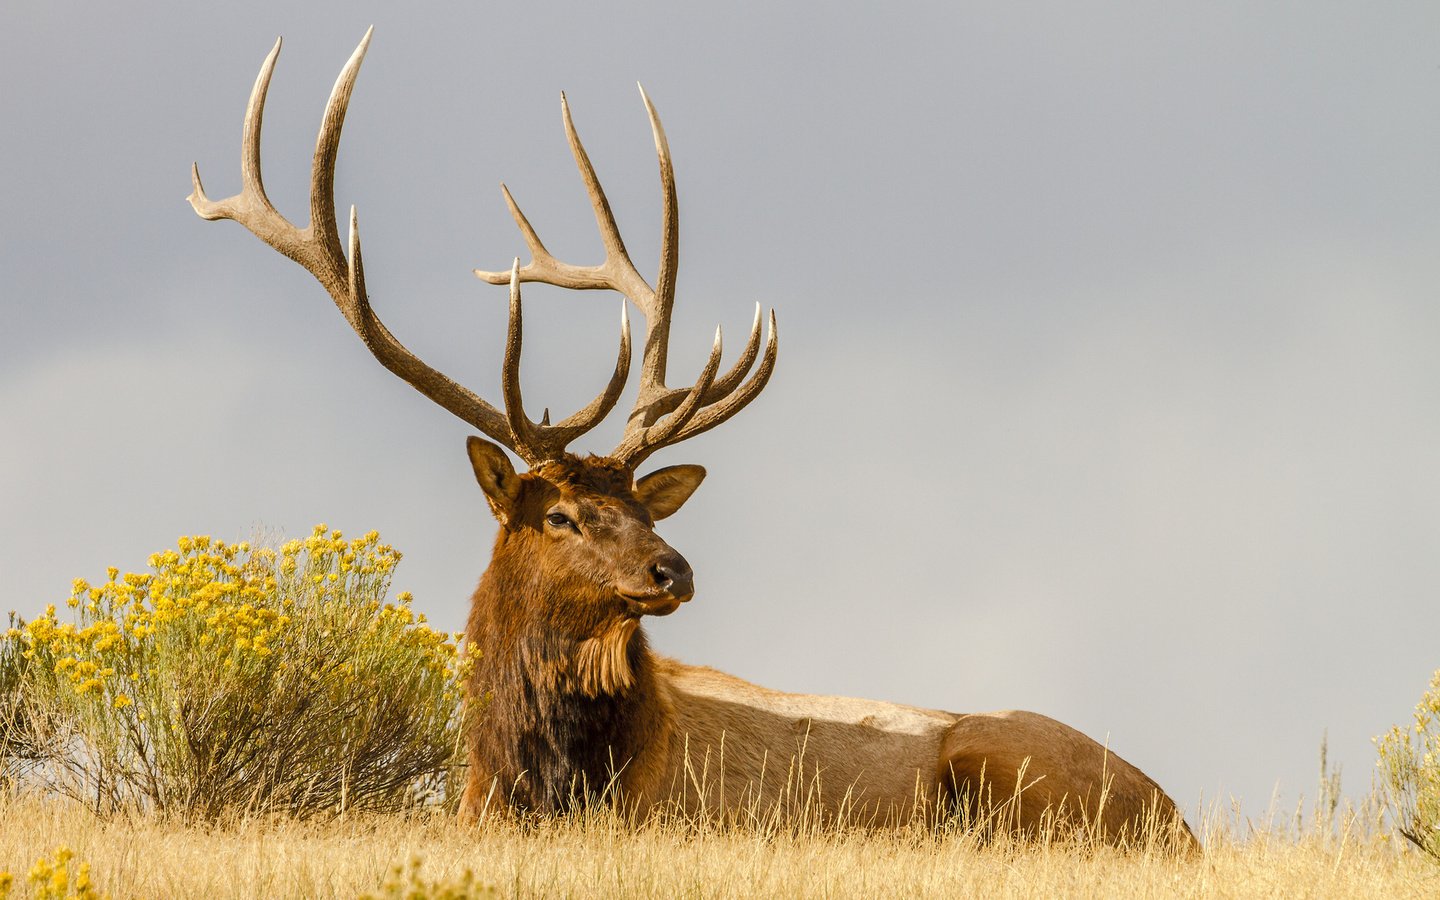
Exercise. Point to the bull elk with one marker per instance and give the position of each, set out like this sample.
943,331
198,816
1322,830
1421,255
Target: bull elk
577,703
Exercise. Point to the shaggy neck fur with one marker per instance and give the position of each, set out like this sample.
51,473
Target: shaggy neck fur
566,708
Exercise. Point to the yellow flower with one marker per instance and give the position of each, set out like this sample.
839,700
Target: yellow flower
82,882
122,701
40,872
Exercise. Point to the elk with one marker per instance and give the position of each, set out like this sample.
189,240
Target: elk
577,704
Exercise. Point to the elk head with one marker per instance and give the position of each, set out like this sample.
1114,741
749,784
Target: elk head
581,529
582,532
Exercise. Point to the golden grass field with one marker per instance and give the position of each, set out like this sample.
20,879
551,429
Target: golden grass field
82,694
598,856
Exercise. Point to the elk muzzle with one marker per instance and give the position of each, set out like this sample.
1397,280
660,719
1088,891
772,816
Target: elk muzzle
672,582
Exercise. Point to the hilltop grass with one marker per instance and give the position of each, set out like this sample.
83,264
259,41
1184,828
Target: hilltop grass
425,855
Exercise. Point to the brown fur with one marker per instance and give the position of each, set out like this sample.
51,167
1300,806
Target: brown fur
578,707
562,663
602,663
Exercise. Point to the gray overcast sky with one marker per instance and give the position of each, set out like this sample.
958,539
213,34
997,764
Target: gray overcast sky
1107,381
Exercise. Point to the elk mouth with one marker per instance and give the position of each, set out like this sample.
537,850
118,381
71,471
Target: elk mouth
660,603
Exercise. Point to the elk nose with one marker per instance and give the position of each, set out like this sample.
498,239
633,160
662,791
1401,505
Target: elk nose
673,574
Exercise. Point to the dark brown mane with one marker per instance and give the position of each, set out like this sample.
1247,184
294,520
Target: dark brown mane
565,669
538,732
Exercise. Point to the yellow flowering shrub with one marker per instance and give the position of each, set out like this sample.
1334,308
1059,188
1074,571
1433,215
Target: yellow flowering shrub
57,879
1410,773
230,677
20,742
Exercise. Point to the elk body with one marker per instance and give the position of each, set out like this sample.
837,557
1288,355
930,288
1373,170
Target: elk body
577,706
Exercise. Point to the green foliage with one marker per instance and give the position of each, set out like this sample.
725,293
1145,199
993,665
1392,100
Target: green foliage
255,680
1410,773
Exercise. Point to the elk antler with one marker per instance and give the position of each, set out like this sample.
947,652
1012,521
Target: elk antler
661,415
317,248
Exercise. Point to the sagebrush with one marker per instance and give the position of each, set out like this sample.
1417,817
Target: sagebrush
1410,773
231,678
20,740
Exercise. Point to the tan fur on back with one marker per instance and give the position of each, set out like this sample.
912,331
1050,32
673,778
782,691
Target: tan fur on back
749,750
734,749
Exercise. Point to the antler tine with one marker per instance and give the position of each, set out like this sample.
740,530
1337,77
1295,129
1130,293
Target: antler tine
536,442
732,403
317,247
727,382
708,402
661,415
724,384
250,207
657,337
640,442
617,261
616,273
697,413
323,227
527,440
250,136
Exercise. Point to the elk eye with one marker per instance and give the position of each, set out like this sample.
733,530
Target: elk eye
559,520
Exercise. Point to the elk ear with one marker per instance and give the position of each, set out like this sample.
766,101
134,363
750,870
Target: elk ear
665,490
496,476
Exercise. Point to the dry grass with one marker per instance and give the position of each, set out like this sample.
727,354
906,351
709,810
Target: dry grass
596,856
